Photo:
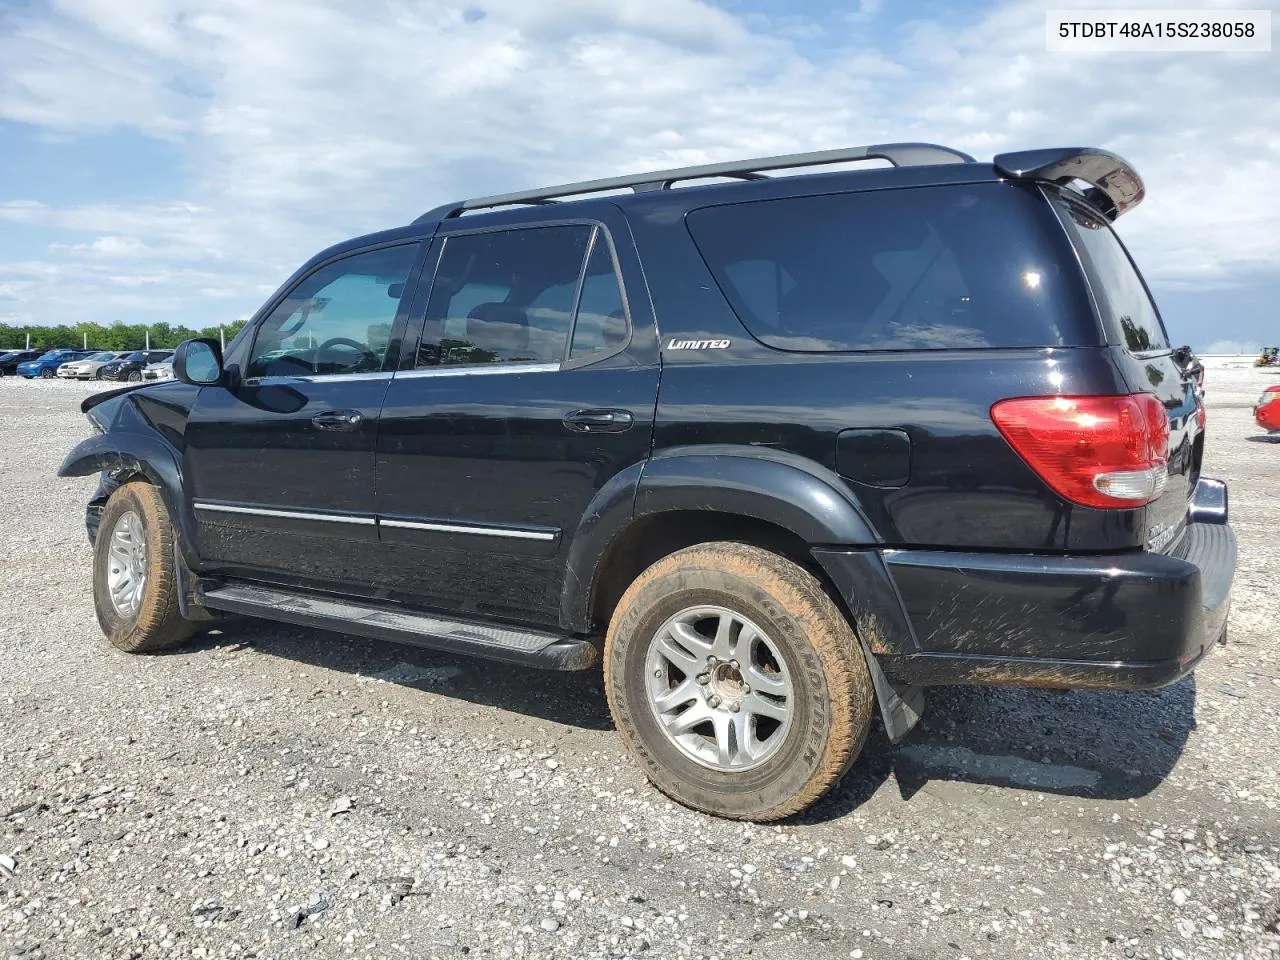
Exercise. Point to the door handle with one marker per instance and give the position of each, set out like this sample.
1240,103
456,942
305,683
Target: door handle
338,420
599,421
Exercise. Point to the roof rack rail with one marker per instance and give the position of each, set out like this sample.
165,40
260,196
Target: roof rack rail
899,154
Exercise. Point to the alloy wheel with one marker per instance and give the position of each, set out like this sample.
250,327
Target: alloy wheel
719,688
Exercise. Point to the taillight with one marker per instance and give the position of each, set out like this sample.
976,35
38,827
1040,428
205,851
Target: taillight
1094,451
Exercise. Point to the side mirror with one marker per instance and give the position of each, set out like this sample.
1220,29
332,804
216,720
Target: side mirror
198,362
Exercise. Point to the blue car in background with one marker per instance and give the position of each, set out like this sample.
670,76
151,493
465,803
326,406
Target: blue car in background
47,365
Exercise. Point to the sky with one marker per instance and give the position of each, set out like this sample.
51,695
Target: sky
176,160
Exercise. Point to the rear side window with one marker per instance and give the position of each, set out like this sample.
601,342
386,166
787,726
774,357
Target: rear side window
529,295
1122,296
954,267
504,296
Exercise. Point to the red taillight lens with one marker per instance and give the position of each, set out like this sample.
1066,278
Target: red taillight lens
1094,451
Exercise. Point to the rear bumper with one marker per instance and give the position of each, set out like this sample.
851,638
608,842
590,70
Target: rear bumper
1128,621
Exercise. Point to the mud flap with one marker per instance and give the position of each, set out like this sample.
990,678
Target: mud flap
901,704
190,602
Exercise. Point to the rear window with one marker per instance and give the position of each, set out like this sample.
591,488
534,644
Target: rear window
1122,296
954,267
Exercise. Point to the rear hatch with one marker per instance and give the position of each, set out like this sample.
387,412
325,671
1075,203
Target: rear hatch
1142,352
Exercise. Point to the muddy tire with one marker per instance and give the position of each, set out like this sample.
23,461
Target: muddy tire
135,583
736,682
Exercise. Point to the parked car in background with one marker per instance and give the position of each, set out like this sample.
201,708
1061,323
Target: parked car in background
9,361
88,368
130,367
46,366
158,371
1267,413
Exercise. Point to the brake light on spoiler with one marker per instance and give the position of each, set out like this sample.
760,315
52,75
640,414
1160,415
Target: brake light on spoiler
1108,452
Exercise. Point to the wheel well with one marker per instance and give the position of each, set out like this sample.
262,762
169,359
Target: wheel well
648,539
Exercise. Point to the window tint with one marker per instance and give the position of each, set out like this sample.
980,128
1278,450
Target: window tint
337,320
504,297
601,324
980,265
1126,306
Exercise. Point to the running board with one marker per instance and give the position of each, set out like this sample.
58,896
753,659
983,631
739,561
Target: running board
399,625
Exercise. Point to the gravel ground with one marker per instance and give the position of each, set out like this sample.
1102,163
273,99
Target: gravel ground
273,792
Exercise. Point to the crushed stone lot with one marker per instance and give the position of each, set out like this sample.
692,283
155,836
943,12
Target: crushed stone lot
270,791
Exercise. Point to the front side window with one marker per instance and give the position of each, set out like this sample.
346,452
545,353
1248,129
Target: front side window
336,321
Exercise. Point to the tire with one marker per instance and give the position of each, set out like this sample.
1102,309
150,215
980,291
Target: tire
155,622
47,374
135,376
814,655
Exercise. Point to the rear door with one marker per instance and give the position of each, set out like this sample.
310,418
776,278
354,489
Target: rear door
533,383
279,466
1132,323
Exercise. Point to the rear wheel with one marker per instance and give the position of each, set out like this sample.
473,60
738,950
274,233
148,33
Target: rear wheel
736,682
135,582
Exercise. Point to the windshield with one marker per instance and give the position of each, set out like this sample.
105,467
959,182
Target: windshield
104,355
139,355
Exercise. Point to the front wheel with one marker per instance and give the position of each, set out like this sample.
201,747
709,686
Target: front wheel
135,376
135,580
736,682
47,374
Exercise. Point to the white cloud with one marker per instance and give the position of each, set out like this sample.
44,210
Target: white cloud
1232,346
304,121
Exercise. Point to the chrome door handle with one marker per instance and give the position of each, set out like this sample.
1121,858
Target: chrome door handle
599,421
338,420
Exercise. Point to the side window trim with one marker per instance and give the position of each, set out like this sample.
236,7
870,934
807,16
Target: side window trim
398,324
577,293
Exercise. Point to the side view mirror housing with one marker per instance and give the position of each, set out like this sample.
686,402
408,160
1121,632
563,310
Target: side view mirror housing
198,362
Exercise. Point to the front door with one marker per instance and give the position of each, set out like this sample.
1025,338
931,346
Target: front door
279,466
534,383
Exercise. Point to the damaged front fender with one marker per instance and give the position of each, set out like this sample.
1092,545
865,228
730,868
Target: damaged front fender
126,455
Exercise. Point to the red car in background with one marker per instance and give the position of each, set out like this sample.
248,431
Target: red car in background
1267,413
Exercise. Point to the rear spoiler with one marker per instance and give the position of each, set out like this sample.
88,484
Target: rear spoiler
1114,186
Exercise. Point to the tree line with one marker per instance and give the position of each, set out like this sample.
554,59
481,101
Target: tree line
117,336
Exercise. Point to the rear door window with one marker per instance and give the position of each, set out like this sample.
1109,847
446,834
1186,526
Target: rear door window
952,267
527,295
1122,296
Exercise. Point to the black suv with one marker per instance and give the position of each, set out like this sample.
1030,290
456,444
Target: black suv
9,360
773,450
130,366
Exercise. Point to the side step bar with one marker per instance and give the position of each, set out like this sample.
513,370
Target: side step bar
511,645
